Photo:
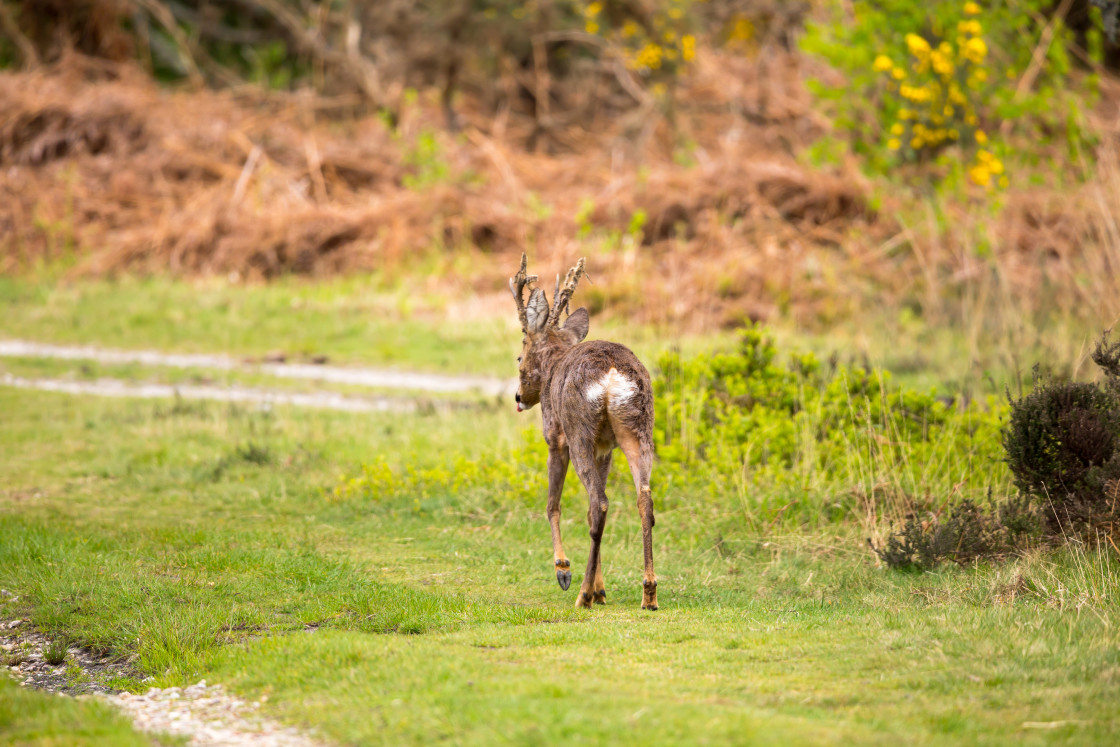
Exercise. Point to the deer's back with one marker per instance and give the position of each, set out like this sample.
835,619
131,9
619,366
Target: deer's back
599,381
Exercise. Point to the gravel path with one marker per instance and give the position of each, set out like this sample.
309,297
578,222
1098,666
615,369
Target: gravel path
207,716
232,393
370,377
204,714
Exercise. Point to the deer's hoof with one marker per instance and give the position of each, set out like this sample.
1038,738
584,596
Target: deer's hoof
563,575
651,607
583,599
600,596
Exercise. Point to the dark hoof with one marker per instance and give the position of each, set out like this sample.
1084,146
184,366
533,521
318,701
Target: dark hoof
601,597
563,575
651,609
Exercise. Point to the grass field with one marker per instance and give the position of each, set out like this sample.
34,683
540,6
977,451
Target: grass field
205,540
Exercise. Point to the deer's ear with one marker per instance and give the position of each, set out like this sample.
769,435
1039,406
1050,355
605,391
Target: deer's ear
536,311
578,323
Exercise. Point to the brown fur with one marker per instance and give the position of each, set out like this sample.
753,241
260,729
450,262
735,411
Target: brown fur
565,375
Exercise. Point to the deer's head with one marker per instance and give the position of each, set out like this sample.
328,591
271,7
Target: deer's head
544,336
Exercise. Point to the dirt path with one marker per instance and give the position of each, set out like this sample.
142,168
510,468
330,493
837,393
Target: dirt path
371,377
232,393
205,715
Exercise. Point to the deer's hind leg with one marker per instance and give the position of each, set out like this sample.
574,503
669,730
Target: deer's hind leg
639,453
598,586
590,473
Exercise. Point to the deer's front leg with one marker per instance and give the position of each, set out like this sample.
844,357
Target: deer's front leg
557,471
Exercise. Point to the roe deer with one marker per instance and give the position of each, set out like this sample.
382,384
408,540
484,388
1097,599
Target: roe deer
593,396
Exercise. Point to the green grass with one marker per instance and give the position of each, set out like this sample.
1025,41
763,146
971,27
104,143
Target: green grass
350,321
202,540
37,719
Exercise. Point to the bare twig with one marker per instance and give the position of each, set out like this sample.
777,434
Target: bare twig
500,162
165,18
625,79
360,70
315,168
10,29
1038,58
246,172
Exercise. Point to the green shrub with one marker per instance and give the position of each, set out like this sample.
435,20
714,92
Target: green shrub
1061,444
799,433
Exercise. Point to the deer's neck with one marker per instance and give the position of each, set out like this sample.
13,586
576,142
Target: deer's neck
550,362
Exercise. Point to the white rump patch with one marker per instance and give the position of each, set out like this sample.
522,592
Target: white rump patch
614,385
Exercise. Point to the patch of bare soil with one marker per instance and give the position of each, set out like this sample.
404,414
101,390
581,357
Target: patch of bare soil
25,653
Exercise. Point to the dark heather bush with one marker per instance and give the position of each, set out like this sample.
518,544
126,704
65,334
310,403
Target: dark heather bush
968,534
1061,445
1107,356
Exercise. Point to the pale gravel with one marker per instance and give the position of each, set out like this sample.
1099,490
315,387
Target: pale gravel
206,716
233,393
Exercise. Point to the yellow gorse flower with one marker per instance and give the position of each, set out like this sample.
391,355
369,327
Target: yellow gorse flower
975,50
688,47
940,89
980,175
942,63
918,46
742,31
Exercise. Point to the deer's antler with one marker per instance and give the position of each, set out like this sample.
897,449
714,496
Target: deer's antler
563,295
517,285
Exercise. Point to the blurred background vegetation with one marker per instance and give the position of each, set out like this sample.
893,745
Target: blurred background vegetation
944,173
947,165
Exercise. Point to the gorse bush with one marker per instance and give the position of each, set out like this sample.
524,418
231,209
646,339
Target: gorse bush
954,86
658,44
938,94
